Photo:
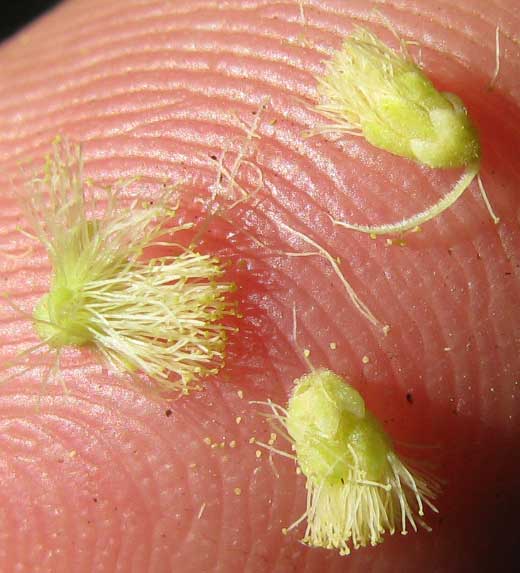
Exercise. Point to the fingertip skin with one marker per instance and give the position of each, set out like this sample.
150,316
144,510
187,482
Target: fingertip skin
94,475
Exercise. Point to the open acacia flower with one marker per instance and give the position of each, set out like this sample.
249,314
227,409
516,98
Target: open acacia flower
358,488
375,92
161,317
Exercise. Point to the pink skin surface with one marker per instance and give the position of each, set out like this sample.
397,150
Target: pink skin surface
102,478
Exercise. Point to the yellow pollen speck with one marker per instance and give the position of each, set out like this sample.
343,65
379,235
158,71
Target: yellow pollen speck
306,353
207,441
232,444
333,345
252,440
237,491
365,359
240,394
258,453
238,419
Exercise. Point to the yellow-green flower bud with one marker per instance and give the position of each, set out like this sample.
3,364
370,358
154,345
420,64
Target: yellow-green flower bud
368,89
324,417
387,97
358,487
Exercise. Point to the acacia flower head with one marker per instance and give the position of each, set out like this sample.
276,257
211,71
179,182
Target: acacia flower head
373,91
160,316
358,488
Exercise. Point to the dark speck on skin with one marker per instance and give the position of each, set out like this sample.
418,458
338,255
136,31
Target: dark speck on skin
409,397
168,413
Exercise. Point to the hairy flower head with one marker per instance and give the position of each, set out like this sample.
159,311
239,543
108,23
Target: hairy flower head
370,90
160,316
358,488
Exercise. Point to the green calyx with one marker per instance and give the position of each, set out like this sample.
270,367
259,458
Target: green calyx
416,121
61,318
333,432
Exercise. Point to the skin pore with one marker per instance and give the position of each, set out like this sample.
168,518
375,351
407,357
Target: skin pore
97,476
